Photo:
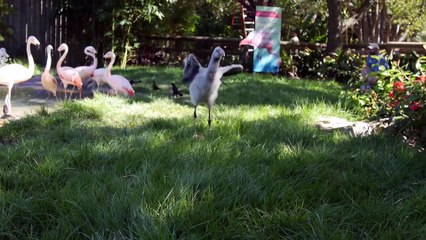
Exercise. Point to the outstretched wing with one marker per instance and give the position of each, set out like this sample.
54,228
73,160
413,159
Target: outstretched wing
231,69
191,68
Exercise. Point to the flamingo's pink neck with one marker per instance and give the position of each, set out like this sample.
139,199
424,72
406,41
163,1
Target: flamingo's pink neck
95,60
61,59
109,67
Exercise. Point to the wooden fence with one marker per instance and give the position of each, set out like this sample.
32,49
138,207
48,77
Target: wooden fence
40,18
202,46
177,43
34,17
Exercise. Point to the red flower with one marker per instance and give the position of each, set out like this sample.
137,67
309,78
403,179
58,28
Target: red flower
399,86
391,94
421,79
394,103
416,105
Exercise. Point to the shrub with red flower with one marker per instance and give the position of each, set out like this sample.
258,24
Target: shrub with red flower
411,109
399,94
394,103
411,96
396,94
399,86
415,105
421,79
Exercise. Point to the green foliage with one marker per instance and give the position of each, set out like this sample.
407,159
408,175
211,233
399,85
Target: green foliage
348,66
5,9
214,18
399,94
315,64
126,15
409,15
408,99
182,16
308,17
371,100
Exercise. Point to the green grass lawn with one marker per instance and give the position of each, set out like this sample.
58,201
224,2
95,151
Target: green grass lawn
116,168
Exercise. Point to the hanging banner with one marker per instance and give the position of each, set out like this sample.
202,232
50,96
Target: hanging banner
266,39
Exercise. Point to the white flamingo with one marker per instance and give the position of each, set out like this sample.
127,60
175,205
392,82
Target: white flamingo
118,83
86,72
3,56
16,73
47,80
205,82
67,75
99,76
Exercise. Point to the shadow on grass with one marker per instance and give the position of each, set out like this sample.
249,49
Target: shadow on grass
251,179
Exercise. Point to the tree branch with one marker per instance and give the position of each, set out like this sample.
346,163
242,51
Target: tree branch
245,4
359,13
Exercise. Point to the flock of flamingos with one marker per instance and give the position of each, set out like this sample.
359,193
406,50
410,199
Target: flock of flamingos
204,82
11,74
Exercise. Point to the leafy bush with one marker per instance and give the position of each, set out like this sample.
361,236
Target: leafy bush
315,64
348,66
399,95
309,63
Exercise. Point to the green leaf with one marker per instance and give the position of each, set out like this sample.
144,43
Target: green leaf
412,98
124,22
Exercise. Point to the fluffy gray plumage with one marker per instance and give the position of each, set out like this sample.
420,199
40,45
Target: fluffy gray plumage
205,81
3,56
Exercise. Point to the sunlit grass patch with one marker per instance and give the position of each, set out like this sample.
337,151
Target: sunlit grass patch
116,111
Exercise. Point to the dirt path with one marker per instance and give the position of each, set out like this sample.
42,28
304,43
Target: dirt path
28,97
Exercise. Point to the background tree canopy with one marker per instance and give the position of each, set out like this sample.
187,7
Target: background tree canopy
5,9
118,25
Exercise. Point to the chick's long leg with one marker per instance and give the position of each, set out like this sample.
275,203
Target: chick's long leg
195,119
210,119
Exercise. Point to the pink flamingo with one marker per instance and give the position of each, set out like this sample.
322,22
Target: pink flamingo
259,39
47,80
16,73
99,76
67,75
118,83
86,72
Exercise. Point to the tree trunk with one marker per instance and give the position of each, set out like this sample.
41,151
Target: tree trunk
374,26
113,32
383,18
334,39
357,16
403,36
126,48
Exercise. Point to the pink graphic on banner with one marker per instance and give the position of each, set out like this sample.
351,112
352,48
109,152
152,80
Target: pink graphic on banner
266,36
268,14
260,40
